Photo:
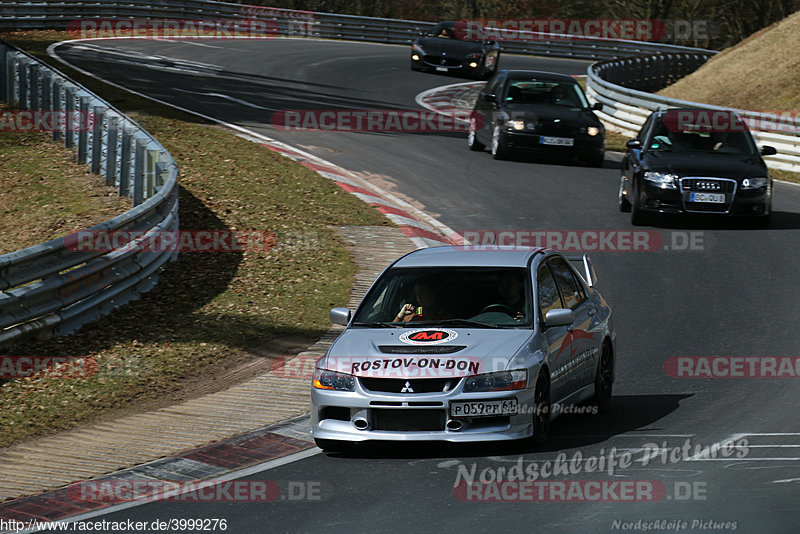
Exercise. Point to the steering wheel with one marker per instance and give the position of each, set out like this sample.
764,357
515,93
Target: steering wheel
502,308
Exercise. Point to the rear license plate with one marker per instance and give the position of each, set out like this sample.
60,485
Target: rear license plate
558,141
441,69
714,198
483,408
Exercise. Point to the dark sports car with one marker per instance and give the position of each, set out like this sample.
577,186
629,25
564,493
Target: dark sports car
456,47
701,161
540,112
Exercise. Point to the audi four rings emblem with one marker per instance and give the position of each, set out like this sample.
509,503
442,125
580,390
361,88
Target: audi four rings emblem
709,186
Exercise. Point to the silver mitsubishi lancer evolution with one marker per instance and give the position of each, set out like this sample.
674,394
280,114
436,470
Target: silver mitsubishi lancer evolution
466,344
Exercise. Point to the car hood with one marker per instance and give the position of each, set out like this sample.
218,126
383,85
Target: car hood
548,113
391,352
436,46
719,165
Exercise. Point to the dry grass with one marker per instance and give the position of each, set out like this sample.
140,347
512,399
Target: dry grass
760,73
45,193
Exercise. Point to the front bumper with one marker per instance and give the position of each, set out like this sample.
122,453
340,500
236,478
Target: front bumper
738,203
463,67
336,415
583,144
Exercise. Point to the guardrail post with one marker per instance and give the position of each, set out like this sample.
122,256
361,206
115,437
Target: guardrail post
69,108
161,171
83,129
11,77
97,137
138,172
150,173
59,119
23,85
3,70
125,163
34,80
47,96
111,156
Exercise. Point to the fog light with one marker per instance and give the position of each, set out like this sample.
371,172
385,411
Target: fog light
473,64
415,57
592,130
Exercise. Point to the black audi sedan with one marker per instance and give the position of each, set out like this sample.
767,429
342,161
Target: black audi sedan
695,161
456,47
536,112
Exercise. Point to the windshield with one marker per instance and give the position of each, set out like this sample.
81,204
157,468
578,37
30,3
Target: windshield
551,92
705,141
457,31
489,297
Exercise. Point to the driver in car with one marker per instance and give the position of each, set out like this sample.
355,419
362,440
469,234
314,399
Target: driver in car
429,306
512,291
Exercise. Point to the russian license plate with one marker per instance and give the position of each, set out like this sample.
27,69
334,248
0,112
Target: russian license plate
558,141
483,408
715,198
441,69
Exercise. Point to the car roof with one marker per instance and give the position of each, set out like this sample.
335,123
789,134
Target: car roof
468,256
540,74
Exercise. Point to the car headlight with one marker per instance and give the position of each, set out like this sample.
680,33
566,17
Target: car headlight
755,183
592,130
664,181
500,381
324,379
515,125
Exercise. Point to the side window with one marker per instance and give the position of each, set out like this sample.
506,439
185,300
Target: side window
645,131
566,282
549,299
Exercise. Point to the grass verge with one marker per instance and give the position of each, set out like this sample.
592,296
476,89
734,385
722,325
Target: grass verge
45,193
210,311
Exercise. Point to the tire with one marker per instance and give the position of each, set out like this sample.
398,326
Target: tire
596,160
472,136
334,445
638,217
604,379
499,151
623,203
541,412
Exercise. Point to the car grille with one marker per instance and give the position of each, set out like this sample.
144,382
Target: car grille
701,184
412,349
442,61
420,385
403,420
552,128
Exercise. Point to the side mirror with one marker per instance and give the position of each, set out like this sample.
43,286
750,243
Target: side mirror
559,317
767,150
634,143
490,97
491,42
340,316
597,106
421,34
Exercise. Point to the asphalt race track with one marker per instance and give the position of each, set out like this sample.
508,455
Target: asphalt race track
735,295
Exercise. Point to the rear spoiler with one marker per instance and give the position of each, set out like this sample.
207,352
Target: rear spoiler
588,268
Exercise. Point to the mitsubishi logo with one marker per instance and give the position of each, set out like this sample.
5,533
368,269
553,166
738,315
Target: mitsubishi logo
407,388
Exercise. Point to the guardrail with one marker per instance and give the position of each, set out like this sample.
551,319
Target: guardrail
52,289
58,15
624,87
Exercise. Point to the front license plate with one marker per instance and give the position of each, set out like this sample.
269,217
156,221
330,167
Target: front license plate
483,408
441,69
558,141
714,198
